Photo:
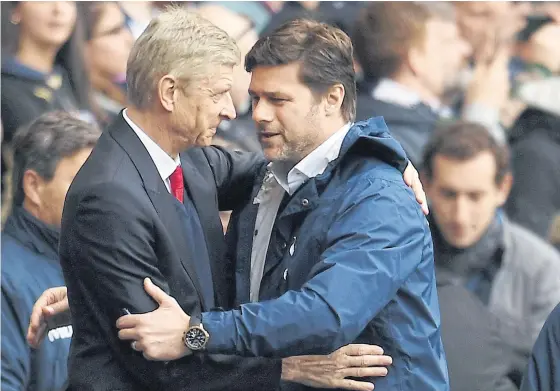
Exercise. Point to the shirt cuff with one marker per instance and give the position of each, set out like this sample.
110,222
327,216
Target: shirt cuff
221,328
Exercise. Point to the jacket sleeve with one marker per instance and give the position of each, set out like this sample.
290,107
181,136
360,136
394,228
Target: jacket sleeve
16,353
543,371
378,239
111,246
235,174
546,295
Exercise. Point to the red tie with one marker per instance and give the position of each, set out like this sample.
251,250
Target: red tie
176,181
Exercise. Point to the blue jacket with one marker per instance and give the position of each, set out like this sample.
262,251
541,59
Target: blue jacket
543,371
350,260
30,266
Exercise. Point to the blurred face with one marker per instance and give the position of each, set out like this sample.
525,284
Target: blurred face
464,197
441,56
200,109
482,22
245,39
45,23
45,199
110,45
287,114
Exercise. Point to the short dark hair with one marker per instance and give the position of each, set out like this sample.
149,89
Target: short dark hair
41,145
462,141
386,30
324,51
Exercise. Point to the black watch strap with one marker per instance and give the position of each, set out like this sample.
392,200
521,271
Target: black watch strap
195,321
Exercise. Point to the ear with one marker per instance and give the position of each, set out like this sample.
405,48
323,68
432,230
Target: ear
414,60
168,92
505,188
33,186
334,98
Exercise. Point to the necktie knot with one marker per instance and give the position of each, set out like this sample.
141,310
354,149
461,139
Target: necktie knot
176,182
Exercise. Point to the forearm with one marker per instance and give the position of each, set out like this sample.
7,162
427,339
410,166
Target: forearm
312,328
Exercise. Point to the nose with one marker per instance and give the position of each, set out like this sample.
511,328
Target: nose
229,109
261,111
461,211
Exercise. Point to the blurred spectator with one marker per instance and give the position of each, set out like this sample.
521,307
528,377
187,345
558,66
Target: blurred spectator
535,136
471,334
47,155
42,62
108,44
240,131
410,53
467,178
259,12
485,24
341,14
138,15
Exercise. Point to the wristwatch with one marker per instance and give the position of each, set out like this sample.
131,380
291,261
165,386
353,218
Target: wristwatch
195,338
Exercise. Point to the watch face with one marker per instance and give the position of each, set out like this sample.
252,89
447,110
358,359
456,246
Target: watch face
196,339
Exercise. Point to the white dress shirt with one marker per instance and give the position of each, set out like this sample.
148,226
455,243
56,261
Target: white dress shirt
390,91
165,164
275,184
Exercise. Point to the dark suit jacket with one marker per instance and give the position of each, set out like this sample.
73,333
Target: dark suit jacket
120,225
478,358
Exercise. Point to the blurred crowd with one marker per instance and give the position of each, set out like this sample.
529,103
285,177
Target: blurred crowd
488,73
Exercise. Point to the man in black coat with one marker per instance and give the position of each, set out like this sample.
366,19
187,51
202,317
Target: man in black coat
477,357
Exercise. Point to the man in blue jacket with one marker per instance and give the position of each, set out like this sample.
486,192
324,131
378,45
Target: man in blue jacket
333,248
543,371
47,155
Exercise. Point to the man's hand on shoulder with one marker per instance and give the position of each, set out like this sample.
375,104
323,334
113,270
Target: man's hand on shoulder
412,179
333,370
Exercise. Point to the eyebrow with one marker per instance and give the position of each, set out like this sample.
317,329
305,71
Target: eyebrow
273,94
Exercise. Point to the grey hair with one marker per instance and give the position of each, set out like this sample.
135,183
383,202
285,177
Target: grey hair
179,43
41,145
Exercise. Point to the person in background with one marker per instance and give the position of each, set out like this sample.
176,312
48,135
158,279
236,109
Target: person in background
240,131
108,44
138,15
42,64
535,134
47,155
410,54
510,270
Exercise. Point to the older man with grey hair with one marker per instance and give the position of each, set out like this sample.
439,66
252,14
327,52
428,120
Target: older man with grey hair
47,155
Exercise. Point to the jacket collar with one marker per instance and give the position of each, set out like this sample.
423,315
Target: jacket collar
33,233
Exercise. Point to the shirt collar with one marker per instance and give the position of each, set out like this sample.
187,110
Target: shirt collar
390,91
165,164
312,165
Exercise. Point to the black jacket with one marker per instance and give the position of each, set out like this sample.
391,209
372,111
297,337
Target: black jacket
120,225
535,156
26,94
477,357
411,127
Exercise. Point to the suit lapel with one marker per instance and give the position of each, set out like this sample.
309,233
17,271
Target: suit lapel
161,199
